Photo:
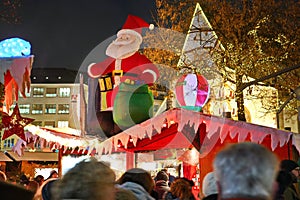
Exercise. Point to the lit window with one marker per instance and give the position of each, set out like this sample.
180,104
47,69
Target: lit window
12,142
63,108
8,143
51,92
49,124
62,124
38,92
64,92
50,108
24,108
37,109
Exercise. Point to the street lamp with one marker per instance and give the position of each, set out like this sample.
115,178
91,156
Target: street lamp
294,94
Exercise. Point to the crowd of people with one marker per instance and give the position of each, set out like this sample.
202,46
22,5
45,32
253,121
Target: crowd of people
242,171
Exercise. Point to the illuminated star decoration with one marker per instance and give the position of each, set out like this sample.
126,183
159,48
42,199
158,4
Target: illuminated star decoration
15,124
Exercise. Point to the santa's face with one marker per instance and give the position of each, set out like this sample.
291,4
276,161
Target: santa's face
124,39
124,46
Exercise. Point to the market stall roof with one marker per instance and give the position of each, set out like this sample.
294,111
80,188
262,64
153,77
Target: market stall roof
168,138
4,158
184,131
176,128
65,130
34,156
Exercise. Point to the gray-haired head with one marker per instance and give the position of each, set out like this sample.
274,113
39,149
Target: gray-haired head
246,170
209,184
89,180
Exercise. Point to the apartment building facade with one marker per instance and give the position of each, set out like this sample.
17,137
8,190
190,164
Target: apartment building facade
53,100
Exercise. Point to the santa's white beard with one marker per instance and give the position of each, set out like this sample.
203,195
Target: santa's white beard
120,50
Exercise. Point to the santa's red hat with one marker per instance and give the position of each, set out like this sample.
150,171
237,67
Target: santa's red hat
134,25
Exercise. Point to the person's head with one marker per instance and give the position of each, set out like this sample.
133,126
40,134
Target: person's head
87,180
39,179
246,170
24,180
161,176
138,176
209,184
190,182
32,186
292,167
44,192
181,188
53,174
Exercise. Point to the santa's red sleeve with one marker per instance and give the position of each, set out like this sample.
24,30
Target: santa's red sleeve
96,70
148,71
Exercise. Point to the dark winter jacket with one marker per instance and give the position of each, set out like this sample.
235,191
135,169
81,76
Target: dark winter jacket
290,193
211,197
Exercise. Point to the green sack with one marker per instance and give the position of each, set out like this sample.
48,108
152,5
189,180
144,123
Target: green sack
133,104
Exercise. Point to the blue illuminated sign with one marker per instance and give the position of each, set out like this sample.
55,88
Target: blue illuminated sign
14,47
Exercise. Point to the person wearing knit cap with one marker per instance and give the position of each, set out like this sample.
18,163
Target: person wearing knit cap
292,170
123,80
209,187
288,165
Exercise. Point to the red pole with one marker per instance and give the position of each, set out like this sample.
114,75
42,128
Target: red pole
130,160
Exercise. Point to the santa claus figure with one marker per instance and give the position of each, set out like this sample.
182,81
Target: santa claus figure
123,80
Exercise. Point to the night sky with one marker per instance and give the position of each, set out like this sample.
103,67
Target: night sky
63,32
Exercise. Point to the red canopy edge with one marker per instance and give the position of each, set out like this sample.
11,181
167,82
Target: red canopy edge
182,130
187,125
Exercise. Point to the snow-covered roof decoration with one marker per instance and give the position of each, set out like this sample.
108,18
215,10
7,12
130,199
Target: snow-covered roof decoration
16,63
216,127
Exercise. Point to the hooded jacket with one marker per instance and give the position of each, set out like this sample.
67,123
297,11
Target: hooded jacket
138,190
